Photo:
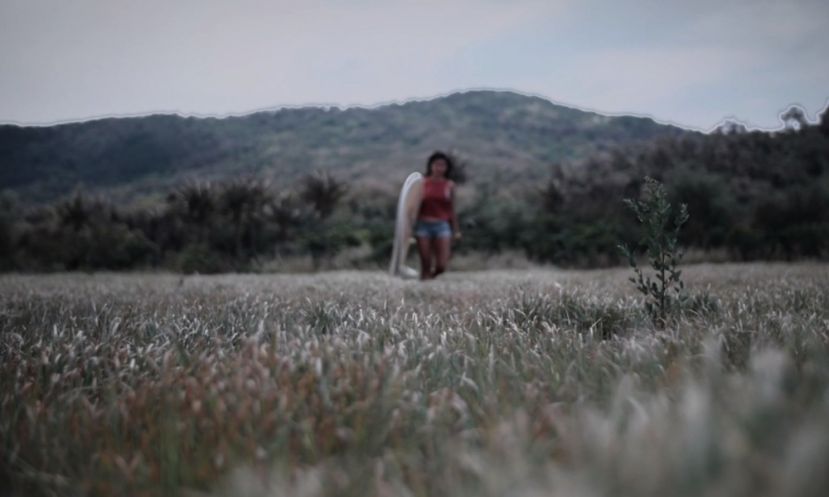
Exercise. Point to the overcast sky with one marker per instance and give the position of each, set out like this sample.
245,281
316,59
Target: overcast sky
691,63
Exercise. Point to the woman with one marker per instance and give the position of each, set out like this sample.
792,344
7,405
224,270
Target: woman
437,222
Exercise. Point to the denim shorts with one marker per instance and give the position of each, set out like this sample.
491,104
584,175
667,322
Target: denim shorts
433,229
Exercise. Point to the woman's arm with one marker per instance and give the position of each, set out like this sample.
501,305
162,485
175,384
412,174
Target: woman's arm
456,227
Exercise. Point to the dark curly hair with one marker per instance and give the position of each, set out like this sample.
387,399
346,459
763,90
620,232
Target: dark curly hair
438,156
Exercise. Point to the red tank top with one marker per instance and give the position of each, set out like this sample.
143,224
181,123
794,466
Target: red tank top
437,199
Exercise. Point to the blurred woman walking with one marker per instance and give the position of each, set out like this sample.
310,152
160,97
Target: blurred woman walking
437,222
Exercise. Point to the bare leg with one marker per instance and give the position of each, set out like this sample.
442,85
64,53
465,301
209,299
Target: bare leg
425,250
443,249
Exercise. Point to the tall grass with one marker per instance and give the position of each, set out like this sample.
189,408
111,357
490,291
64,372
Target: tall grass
503,383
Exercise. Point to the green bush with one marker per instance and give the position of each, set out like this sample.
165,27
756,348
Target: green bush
660,240
199,258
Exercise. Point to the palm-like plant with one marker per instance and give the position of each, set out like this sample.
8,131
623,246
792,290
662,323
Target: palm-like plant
322,192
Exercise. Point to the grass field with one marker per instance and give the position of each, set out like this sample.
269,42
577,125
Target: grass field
491,383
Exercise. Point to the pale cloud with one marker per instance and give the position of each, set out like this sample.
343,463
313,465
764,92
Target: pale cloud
691,62
761,23
631,78
237,56
692,66
661,82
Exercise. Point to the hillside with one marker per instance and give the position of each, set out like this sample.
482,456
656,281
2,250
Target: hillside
499,133
751,195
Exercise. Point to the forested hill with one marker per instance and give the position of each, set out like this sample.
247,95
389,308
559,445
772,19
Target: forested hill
498,133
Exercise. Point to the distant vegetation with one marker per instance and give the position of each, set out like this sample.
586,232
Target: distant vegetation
750,195
503,134
200,227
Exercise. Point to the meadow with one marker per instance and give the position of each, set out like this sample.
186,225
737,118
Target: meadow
521,383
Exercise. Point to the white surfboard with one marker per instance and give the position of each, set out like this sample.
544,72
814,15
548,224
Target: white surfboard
407,206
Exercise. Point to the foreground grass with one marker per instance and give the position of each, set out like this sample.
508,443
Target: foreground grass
510,383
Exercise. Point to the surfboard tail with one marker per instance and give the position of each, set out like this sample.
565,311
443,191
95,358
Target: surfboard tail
402,226
408,273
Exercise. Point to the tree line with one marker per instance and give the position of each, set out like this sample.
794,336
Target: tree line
200,227
750,195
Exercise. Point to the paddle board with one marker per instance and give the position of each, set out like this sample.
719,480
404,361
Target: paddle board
408,205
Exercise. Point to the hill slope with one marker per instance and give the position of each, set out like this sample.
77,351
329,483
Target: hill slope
498,132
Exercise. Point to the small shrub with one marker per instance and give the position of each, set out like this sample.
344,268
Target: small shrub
199,258
659,239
